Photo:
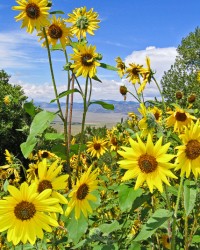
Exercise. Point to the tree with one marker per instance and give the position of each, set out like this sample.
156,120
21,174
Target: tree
14,121
182,76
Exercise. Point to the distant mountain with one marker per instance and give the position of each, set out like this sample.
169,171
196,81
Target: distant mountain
119,106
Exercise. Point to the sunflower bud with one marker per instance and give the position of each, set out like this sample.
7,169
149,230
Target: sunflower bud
179,95
192,98
123,90
99,57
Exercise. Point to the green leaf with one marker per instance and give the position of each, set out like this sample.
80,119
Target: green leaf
65,93
5,185
190,193
108,228
96,79
57,47
40,122
107,66
75,44
57,12
28,146
135,246
30,108
103,104
127,195
196,239
59,150
157,220
54,136
76,228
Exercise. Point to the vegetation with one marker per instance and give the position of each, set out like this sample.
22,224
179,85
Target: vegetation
135,186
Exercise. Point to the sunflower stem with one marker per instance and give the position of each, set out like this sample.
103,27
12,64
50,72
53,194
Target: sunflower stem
159,89
85,108
173,241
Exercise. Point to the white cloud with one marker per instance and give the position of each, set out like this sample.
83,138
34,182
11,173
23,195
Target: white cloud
161,60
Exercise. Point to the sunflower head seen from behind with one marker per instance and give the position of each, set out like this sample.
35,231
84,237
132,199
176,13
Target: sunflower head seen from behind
188,156
85,60
34,14
83,22
56,31
133,73
81,195
24,214
147,162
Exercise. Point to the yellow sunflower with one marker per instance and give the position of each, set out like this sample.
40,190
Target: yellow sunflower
133,73
188,156
120,66
6,100
85,60
83,22
96,147
23,213
146,74
34,14
81,194
179,119
157,113
48,179
147,162
57,31
9,157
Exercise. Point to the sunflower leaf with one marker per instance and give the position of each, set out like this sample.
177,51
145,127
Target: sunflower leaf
65,93
54,136
127,195
103,104
40,122
107,66
190,194
108,228
57,12
157,220
57,47
76,228
96,79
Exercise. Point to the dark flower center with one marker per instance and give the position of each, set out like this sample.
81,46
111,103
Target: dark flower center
85,59
147,163
45,184
32,10
135,71
97,146
82,192
181,117
82,22
114,141
157,116
55,32
192,150
24,210
45,155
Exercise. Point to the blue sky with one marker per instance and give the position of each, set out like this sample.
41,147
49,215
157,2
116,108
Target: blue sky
129,29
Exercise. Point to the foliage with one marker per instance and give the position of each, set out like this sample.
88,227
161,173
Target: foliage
135,186
182,76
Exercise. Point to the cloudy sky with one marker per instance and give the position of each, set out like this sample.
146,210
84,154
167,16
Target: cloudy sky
129,29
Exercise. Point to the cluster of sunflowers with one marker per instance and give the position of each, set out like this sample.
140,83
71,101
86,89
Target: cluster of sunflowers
134,187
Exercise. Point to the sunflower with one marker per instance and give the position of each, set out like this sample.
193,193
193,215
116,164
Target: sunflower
85,60
83,22
148,123
188,156
120,66
48,179
57,31
147,162
23,213
34,14
96,147
157,113
6,100
9,157
81,194
179,119
133,73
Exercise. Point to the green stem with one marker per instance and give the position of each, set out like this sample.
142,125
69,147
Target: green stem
52,75
138,97
134,96
186,233
163,101
85,108
173,241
